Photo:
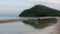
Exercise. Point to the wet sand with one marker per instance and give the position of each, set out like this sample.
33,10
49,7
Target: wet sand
56,29
23,18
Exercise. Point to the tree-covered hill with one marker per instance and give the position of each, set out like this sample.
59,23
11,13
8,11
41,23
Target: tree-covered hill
38,11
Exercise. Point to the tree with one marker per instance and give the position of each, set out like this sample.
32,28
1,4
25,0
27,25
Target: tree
38,11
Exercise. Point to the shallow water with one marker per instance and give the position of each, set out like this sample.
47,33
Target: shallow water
21,28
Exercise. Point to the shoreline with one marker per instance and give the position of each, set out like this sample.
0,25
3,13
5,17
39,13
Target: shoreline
24,18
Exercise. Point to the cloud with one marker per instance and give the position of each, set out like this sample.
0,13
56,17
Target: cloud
17,6
53,1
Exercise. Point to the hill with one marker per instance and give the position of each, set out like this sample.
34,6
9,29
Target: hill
38,11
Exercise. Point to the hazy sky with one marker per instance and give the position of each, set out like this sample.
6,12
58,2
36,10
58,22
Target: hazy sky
14,7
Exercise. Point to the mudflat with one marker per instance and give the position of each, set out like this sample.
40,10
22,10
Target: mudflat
21,19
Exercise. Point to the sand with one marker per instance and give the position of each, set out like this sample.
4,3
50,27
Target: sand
56,29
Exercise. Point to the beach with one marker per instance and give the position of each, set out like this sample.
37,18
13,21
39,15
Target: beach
21,28
16,26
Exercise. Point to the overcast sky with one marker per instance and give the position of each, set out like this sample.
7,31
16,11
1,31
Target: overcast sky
14,7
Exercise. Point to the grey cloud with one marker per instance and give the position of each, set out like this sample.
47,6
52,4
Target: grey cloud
17,6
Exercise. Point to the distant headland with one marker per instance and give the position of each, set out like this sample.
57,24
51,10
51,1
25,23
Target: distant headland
38,11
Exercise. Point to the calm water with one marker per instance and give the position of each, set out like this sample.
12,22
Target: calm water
21,28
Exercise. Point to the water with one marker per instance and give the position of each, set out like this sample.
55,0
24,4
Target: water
21,28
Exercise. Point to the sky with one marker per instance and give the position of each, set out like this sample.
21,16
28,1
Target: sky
12,8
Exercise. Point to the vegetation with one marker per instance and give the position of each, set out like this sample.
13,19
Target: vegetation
38,11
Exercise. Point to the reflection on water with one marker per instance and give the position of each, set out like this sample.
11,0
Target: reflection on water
21,28
40,23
